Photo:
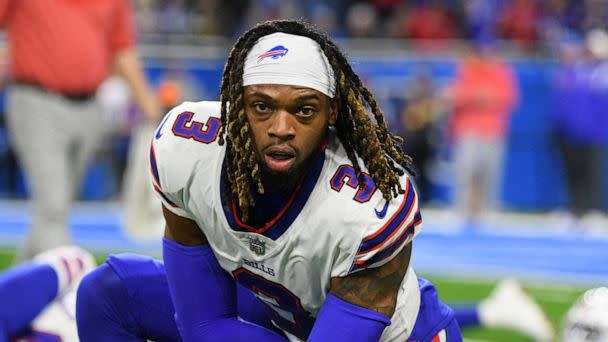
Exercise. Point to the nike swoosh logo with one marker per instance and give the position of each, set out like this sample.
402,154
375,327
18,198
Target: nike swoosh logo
382,212
158,134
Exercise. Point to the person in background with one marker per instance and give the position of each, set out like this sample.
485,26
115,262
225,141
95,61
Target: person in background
481,99
417,116
38,298
54,120
508,306
580,124
519,21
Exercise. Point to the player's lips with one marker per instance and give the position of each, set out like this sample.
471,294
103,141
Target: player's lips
279,157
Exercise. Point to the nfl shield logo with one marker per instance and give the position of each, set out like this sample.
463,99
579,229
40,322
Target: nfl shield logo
257,246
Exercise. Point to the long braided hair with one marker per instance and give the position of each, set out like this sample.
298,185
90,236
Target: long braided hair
360,134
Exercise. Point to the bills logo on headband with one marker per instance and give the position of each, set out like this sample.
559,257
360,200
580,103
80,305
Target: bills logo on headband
274,53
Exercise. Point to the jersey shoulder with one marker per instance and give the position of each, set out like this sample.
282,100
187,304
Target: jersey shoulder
374,229
184,144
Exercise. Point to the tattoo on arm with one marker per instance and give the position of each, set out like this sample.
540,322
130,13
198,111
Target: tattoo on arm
376,288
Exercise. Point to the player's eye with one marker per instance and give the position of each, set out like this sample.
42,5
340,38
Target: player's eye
306,111
261,107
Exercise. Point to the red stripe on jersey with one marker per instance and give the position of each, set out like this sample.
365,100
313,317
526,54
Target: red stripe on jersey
400,240
164,196
154,165
274,220
379,231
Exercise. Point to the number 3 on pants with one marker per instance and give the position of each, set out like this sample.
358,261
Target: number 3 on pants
283,307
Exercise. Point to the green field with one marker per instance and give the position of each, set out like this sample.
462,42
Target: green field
555,301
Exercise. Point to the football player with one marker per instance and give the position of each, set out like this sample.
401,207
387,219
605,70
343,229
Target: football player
38,298
291,187
508,306
587,319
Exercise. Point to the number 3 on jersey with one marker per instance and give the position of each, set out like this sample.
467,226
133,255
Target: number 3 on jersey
346,175
187,128
283,307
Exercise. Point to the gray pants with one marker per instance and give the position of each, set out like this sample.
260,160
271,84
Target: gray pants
478,166
54,138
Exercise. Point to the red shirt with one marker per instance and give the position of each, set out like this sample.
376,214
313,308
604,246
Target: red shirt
484,93
65,45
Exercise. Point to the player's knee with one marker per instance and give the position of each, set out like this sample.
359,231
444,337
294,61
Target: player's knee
102,306
95,291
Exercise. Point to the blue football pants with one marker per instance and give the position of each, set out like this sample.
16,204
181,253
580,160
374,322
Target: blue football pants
127,299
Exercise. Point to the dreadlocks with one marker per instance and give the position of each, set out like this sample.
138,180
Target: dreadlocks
360,134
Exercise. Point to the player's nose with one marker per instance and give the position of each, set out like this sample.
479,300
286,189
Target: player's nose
282,125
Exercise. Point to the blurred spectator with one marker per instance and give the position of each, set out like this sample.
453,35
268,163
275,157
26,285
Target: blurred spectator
596,14
54,119
519,21
362,20
262,10
482,98
417,119
325,17
429,21
480,18
580,123
560,18
173,17
177,86
529,23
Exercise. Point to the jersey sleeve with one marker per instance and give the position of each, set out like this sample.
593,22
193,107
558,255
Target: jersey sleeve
176,156
385,239
170,195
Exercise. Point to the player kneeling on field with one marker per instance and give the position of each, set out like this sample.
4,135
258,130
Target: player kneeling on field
291,187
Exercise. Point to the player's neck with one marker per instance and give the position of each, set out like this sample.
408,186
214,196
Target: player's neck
278,186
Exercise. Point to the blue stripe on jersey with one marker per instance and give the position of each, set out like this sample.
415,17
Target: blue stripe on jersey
385,253
153,165
287,216
393,225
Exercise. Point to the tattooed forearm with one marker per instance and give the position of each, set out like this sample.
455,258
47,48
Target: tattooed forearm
375,289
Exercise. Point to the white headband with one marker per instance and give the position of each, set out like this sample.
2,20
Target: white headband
282,58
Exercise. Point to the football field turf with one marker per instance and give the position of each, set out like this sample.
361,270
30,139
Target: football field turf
554,300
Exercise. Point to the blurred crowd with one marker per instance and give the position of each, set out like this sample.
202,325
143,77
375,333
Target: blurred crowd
470,116
529,24
462,120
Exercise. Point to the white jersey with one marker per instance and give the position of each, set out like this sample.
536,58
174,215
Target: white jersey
329,227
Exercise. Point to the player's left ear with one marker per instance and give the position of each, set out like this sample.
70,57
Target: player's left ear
333,111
